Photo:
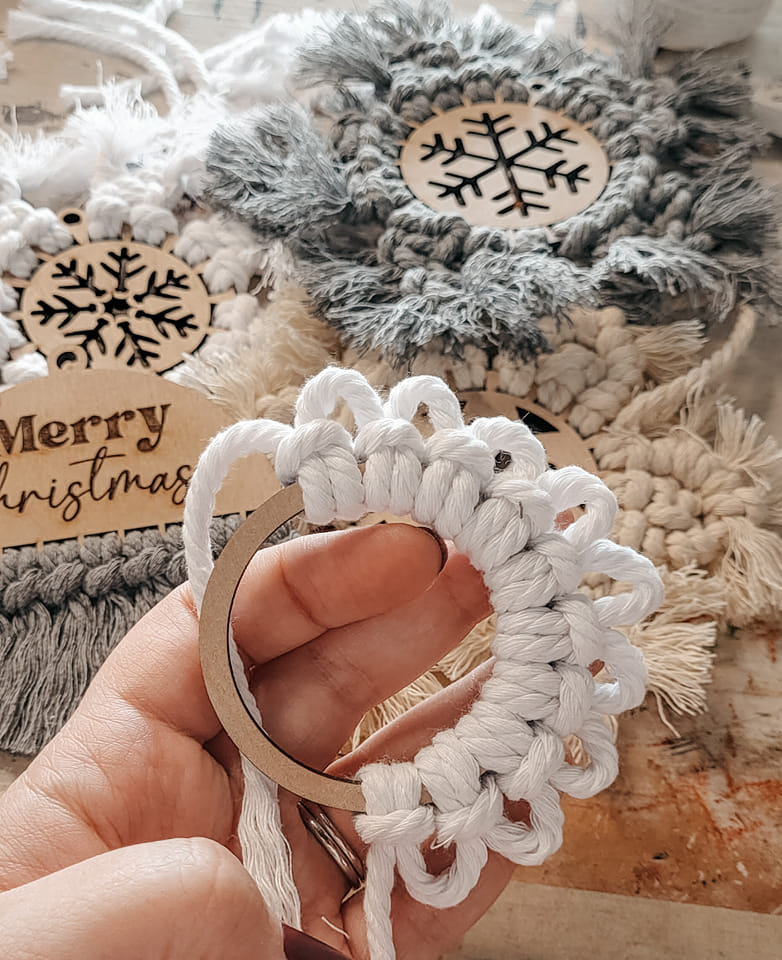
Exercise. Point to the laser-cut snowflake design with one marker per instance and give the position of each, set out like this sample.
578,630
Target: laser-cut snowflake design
114,303
504,164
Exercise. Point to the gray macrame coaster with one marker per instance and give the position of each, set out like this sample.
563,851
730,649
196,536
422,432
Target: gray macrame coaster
62,611
682,226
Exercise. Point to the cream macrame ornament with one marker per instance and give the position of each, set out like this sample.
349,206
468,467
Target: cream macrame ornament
510,744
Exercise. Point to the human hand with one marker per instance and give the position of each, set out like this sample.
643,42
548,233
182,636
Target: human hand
120,838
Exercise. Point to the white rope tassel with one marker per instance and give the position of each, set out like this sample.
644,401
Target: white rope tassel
268,861
510,744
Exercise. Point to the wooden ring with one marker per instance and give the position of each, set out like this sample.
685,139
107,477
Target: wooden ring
214,641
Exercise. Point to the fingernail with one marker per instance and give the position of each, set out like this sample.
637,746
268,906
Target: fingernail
300,946
440,543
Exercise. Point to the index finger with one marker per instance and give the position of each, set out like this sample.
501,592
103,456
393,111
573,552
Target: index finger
290,594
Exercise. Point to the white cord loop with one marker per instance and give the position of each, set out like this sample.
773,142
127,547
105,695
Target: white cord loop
510,744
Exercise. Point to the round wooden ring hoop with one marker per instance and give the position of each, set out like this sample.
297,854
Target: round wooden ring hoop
250,738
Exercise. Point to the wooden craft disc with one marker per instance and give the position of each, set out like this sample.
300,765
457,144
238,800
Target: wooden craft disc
504,164
113,303
563,446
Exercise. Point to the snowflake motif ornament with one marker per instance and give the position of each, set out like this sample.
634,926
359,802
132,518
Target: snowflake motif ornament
109,304
504,164
447,242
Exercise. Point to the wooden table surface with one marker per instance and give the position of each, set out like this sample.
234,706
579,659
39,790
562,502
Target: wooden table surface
695,819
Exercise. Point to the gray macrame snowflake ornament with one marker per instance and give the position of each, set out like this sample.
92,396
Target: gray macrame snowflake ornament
682,226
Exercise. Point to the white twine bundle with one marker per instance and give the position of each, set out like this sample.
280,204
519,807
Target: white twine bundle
510,744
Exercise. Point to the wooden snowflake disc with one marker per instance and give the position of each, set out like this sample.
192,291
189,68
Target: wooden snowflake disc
562,444
114,303
502,164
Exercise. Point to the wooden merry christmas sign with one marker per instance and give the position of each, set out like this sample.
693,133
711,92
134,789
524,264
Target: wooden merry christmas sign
100,451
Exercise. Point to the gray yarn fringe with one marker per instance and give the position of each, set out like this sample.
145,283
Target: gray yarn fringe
65,608
683,227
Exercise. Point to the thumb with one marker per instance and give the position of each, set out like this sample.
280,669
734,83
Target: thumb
169,900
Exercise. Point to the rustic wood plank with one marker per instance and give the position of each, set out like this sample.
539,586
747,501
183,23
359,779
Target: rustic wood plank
696,819
534,922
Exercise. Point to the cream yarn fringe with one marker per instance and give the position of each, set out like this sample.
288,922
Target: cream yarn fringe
699,486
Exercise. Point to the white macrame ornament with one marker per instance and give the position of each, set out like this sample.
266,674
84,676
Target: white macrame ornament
510,744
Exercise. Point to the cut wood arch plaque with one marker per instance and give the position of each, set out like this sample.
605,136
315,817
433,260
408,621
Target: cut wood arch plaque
101,451
504,164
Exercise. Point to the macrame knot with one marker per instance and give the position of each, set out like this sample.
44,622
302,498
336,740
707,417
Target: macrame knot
449,771
581,627
513,437
528,778
473,821
319,455
394,811
459,467
393,452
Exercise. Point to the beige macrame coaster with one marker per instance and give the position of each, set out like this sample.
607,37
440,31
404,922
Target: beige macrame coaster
504,164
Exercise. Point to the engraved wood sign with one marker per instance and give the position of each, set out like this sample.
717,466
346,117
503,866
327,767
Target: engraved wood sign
99,451
504,164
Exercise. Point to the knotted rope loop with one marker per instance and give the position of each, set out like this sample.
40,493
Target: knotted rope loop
625,564
458,468
443,406
232,444
319,455
319,396
514,438
570,487
394,453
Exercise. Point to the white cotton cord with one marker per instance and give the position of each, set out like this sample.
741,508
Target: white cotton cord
8,297
112,18
161,11
235,442
6,57
27,26
443,406
265,849
273,42
11,338
394,794
510,745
